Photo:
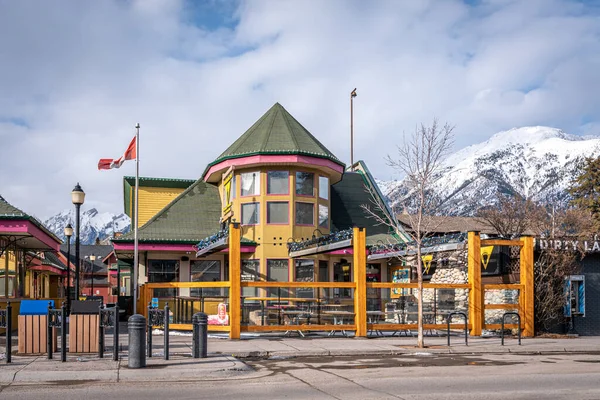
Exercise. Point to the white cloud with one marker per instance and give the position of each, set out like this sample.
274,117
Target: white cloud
79,75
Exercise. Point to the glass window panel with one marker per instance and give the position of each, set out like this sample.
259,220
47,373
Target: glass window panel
305,183
278,182
323,216
250,183
278,212
163,271
305,272
205,271
250,214
250,273
305,214
278,271
324,187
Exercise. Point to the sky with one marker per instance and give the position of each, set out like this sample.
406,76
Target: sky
76,76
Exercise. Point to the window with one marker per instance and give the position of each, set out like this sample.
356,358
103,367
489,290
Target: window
233,187
250,183
305,214
278,182
305,272
251,214
323,216
278,271
324,187
163,271
305,183
205,271
278,212
250,270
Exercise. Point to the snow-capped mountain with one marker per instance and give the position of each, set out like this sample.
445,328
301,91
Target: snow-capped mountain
534,162
93,224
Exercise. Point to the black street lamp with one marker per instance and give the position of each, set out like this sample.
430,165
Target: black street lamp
68,234
77,197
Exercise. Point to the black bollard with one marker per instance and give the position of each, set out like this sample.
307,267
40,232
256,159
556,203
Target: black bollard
137,341
166,332
200,339
63,332
149,338
116,335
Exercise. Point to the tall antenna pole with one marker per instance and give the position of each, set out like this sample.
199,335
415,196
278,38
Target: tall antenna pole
352,96
136,208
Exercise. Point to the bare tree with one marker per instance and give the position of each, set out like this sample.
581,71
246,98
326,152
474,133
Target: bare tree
420,161
512,216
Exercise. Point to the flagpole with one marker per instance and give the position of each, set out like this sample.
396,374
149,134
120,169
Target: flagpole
135,226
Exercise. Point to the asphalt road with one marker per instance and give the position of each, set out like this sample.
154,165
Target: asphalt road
424,376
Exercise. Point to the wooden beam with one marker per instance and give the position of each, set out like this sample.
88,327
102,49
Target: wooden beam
360,279
476,309
501,242
527,294
235,278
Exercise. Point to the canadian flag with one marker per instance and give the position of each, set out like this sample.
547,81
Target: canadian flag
130,154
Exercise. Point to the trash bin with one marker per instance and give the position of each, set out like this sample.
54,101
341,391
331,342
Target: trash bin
33,327
84,325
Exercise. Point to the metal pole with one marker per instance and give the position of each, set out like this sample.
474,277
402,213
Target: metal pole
63,333
135,227
69,274
49,346
8,332
116,335
137,330
92,267
149,339
100,334
77,261
166,332
351,132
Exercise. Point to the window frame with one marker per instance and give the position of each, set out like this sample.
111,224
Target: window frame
296,213
287,192
328,187
288,213
296,184
242,184
257,204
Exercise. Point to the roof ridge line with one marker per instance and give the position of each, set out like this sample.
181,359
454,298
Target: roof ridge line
268,135
289,127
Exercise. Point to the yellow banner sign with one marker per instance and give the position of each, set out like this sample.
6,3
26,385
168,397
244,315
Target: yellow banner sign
486,254
427,262
227,194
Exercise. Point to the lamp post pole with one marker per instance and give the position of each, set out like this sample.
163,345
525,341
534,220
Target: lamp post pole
78,197
92,259
68,234
352,96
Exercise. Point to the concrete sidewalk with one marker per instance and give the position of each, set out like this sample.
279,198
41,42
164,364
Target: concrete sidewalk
226,356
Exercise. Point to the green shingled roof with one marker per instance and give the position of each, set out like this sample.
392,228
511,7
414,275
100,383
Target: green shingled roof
276,132
8,211
189,218
347,198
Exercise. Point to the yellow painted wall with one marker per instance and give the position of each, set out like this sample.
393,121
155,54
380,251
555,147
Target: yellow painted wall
273,239
152,200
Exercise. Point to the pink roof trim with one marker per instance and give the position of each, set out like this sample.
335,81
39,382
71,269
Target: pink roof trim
264,159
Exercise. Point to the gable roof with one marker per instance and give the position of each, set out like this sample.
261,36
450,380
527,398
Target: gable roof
10,212
448,224
276,132
347,198
189,218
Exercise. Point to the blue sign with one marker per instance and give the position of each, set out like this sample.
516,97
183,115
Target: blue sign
154,303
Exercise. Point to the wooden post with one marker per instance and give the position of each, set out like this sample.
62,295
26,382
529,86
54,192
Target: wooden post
527,297
235,278
476,297
360,279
